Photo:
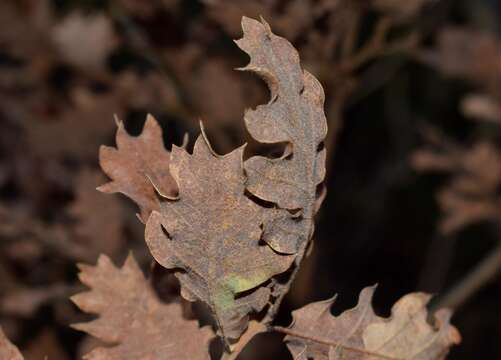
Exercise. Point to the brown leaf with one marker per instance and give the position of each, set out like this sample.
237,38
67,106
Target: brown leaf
294,116
132,317
136,164
212,233
408,335
359,334
315,319
7,350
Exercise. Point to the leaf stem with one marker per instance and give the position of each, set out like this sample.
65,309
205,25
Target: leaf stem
329,342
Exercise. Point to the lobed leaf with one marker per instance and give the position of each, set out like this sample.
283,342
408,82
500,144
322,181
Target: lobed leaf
135,164
359,334
212,233
224,247
133,319
293,116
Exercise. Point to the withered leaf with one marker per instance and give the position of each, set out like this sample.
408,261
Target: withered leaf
7,350
316,319
408,335
136,164
132,317
359,334
293,116
212,233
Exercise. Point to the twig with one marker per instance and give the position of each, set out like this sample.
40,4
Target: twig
350,40
253,329
375,45
485,271
378,46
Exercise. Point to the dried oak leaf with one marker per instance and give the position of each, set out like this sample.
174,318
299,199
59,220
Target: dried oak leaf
7,350
132,317
136,164
359,334
212,233
294,116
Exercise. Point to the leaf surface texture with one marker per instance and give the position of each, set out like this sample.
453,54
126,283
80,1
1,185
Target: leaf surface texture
212,232
136,164
359,334
133,319
294,116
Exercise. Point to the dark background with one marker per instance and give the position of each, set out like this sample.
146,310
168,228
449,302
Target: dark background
67,66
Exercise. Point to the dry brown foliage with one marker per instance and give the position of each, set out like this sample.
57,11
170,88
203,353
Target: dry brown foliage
230,231
139,167
131,316
226,233
359,333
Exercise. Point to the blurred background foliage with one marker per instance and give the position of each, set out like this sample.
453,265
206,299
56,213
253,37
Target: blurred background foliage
413,100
